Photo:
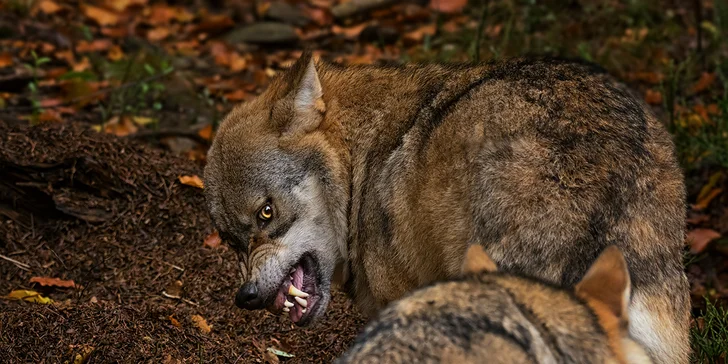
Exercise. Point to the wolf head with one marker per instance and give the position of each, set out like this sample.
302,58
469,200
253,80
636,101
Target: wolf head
272,187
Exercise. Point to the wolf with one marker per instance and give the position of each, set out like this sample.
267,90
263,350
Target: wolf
378,177
487,316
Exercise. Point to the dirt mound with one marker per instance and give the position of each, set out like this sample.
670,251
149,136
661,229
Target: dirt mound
111,215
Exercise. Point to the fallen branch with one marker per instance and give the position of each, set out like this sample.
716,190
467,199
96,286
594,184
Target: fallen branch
353,7
20,265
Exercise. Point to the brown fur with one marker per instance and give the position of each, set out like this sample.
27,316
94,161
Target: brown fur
542,162
493,317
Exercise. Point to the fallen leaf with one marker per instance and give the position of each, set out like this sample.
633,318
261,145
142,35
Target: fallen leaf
448,6
174,321
698,239
6,59
350,33
48,6
121,5
237,95
93,46
280,352
160,14
418,34
705,201
157,34
81,357
143,120
206,132
53,282
697,219
193,181
30,296
706,79
213,240
708,192
100,16
653,97
115,53
201,323
120,126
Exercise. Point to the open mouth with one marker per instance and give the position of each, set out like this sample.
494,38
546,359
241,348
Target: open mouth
298,293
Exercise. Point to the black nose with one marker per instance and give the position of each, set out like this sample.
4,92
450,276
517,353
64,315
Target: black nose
247,297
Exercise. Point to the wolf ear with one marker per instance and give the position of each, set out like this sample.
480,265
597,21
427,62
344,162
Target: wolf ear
306,94
477,261
607,281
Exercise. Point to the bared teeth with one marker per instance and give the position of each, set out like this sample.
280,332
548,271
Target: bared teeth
286,309
293,291
301,301
303,311
287,304
293,270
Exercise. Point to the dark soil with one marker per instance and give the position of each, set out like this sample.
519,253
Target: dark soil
110,214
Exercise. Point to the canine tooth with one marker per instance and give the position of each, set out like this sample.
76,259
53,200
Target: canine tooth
293,270
287,304
293,291
303,311
301,301
286,309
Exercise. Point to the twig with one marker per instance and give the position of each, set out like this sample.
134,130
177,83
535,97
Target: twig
479,34
88,96
20,265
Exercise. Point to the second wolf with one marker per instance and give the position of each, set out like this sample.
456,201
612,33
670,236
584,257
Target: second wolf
492,317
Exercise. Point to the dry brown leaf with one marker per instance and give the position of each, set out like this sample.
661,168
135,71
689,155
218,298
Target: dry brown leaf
697,219
206,132
53,282
157,34
115,53
236,96
93,46
6,59
698,239
705,201
201,323
101,16
213,240
448,6
418,34
350,33
48,6
159,14
706,79
122,5
653,97
193,181
174,321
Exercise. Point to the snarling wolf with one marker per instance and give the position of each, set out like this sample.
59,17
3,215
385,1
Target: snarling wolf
492,317
383,174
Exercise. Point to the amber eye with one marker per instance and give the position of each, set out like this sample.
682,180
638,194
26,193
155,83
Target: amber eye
265,213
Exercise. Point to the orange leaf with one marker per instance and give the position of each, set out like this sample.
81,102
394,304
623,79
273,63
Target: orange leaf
48,6
6,59
418,34
121,5
115,53
100,16
706,79
94,46
193,181
206,132
448,6
201,323
705,201
349,32
653,97
698,239
237,95
213,240
174,321
157,34
53,282
120,126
